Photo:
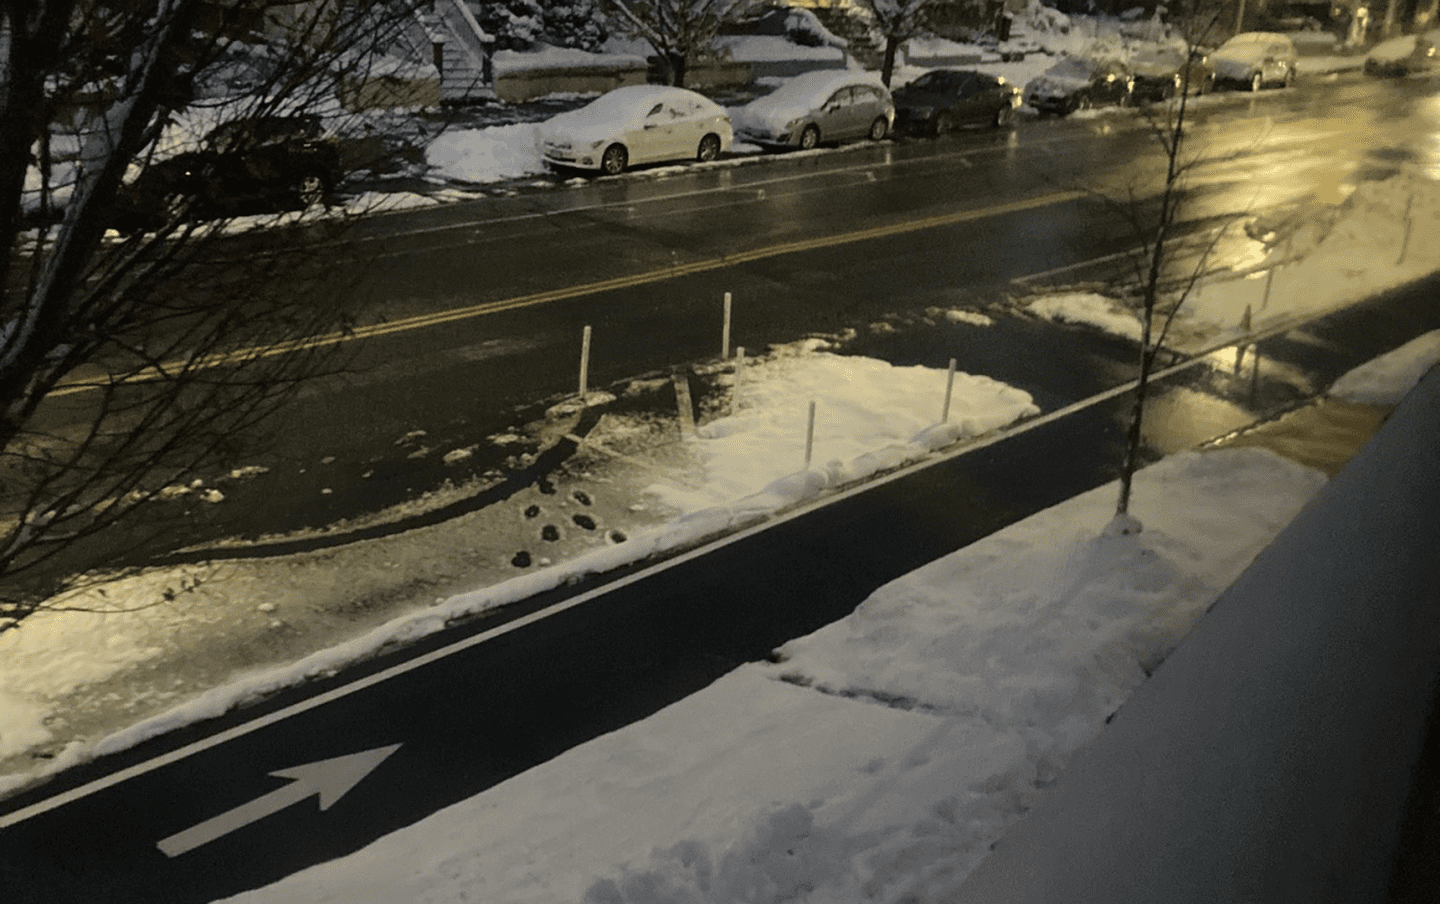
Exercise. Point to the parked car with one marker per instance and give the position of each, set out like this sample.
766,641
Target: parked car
1160,73
823,105
259,164
1405,55
1078,83
941,99
636,124
1255,60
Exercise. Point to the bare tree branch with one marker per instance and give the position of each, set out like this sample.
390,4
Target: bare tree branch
131,363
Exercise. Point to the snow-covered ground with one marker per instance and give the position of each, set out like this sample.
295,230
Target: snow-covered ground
882,755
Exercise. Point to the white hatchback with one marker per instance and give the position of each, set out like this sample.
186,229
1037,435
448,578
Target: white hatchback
636,124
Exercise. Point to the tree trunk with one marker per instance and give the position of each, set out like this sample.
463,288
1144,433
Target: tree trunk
675,62
887,68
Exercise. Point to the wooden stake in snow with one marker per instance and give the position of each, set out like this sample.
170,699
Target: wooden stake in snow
739,378
1405,243
949,386
725,330
685,408
1240,346
810,435
584,362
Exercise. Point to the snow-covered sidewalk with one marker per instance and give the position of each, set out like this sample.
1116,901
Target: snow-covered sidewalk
884,754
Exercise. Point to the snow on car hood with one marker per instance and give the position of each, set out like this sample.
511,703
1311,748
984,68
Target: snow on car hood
570,127
609,114
799,96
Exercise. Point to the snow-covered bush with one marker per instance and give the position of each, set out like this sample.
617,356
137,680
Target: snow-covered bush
579,24
1038,18
515,24
519,24
805,28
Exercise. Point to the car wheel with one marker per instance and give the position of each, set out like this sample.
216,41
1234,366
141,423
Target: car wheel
709,148
614,160
1257,81
943,123
1082,102
1289,76
878,128
809,137
310,189
1004,116
1207,84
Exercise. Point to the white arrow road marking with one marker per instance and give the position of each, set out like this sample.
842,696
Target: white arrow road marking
330,779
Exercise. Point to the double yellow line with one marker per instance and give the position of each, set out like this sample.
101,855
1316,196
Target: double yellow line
620,282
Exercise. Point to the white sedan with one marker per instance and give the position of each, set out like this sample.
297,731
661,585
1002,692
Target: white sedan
636,124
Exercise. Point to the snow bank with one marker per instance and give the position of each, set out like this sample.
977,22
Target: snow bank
485,155
1379,237
1090,309
870,416
1387,379
886,752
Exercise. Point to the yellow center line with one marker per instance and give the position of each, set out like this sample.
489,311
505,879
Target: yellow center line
608,285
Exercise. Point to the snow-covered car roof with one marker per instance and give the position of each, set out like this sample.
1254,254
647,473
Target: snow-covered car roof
631,102
1397,49
816,87
1157,60
800,95
621,109
1250,45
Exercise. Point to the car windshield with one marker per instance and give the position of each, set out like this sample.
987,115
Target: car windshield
932,81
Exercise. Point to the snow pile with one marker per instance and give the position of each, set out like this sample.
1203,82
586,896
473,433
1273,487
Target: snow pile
1295,262
870,416
1090,309
887,751
1380,237
485,155
1386,379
